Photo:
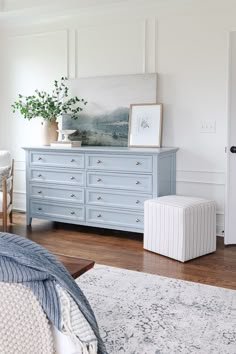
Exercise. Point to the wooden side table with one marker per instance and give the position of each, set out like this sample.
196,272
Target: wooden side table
76,266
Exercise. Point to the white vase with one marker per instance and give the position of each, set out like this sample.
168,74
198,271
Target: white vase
49,132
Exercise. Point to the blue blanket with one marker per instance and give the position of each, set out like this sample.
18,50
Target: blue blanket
24,261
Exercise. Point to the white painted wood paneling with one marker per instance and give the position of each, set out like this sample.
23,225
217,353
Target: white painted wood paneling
185,42
111,49
207,184
33,62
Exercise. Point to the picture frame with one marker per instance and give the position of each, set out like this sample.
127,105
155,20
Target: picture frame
145,125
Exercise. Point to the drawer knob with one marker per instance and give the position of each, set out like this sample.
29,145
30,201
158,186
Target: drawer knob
72,195
39,192
40,158
72,177
72,160
99,198
99,180
137,201
138,163
137,182
72,213
39,175
137,220
99,215
99,161
39,209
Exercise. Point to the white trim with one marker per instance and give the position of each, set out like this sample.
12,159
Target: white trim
71,53
67,53
19,192
36,33
19,169
144,44
202,171
200,182
76,52
229,82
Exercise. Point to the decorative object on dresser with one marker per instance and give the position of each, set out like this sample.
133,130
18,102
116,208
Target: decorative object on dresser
49,106
97,186
106,120
145,125
65,134
6,187
65,142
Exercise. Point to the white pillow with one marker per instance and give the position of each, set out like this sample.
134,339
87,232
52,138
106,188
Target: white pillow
63,343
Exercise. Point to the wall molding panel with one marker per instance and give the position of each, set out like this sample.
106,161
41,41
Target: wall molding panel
19,165
63,35
72,52
201,176
207,184
144,40
110,44
19,201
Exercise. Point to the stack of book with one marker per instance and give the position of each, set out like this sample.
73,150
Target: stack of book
66,144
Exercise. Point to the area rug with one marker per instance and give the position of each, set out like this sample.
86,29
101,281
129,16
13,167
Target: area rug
141,313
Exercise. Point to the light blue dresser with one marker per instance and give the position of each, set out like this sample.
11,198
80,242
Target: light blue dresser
97,186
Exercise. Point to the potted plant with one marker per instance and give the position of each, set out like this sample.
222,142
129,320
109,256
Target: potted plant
49,106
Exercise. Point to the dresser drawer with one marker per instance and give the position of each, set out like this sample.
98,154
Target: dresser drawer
57,159
71,195
119,163
56,210
72,177
141,183
114,217
116,199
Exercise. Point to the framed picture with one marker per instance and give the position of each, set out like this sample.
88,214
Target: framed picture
105,120
145,125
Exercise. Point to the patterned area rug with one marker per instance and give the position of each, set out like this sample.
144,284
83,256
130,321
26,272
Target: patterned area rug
140,313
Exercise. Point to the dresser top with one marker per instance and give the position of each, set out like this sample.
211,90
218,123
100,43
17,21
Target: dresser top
108,149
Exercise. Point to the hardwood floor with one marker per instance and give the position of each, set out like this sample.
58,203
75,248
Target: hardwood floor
125,250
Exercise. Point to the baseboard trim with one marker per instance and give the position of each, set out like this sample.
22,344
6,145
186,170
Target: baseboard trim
219,228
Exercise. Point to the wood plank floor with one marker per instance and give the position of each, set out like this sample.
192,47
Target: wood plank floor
125,250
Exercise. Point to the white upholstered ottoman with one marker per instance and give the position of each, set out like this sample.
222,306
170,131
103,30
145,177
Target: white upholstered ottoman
180,227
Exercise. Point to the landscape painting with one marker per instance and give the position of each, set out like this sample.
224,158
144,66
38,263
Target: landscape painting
104,121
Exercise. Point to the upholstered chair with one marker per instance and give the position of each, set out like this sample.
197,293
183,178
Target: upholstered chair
6,187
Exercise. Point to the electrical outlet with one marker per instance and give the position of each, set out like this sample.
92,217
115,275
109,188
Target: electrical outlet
208,126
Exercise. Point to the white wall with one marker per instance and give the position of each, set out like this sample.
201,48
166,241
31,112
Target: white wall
185,42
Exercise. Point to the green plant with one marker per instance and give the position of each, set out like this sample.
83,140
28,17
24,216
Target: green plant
49,106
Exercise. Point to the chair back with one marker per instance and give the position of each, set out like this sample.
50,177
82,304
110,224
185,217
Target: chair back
5,158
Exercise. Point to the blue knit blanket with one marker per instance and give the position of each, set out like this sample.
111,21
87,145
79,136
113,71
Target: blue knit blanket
26,262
